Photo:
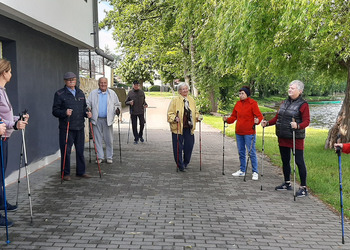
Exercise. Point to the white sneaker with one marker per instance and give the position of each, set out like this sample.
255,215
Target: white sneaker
238,173
255,176
99,161
109,161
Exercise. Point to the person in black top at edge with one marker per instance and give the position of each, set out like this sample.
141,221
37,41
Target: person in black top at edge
137,101
70,106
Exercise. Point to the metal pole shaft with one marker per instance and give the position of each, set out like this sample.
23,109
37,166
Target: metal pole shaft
27,175
93,139
262,156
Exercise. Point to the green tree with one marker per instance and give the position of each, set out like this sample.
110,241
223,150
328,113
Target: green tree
134,68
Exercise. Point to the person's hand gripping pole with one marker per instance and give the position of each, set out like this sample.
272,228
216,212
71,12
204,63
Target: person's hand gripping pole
23,117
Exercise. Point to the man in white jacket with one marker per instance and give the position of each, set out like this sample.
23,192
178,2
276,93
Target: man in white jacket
104,105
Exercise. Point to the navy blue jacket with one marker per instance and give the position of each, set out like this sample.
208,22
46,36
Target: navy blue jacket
64,100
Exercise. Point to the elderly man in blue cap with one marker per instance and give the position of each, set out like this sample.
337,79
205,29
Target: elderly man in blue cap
69,107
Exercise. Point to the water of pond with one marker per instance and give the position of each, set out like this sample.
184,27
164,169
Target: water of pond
321,115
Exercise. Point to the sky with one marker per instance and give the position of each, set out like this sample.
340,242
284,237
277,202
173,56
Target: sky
106,37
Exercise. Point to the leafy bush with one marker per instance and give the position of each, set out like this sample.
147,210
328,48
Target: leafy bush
154,88
203,104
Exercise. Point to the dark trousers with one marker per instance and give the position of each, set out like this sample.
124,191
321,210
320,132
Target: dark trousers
77,138
137,135
299,161
186,142
4,154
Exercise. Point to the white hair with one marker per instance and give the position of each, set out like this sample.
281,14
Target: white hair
181,85
299,84
101,79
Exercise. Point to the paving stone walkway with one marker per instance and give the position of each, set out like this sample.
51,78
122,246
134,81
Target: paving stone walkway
143,203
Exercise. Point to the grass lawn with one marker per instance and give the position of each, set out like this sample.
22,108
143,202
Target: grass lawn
322,165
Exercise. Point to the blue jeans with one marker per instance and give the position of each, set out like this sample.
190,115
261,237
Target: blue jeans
244,142
186,143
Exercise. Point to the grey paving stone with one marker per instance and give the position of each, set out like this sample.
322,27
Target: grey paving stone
143,203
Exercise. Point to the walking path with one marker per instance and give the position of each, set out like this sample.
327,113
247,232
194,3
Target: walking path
143,203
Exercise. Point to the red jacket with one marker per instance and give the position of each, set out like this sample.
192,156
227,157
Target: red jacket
244,112
346,148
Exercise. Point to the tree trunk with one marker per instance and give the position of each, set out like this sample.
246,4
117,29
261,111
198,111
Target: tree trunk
214,104
193,65
141,83
342,124
187,77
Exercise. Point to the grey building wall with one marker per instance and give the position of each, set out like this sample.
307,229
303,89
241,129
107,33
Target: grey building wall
38,64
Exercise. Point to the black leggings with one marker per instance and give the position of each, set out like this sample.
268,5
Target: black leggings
299,160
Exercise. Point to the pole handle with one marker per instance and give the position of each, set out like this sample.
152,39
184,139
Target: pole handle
338,149
21,116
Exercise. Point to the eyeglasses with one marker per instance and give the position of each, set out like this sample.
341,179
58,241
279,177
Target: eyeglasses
71,79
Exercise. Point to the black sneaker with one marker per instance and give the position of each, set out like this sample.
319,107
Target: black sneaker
3,222
9,207
141,139
284,186
302,192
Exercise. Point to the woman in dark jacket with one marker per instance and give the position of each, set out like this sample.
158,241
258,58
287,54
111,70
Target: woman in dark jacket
294,115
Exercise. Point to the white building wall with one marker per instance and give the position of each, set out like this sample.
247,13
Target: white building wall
67,20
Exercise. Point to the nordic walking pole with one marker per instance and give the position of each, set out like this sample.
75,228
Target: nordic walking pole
130,111
262,157
19,173
3,187
223,148
128,130
93,139
250,151
338,150
145,122
200,145
26,169
120,145
65,150
89,145
178,142
293,120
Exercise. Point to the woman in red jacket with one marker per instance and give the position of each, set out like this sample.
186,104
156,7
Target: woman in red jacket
247,114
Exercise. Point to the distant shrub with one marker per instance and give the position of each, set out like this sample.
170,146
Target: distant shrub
154,88
203,104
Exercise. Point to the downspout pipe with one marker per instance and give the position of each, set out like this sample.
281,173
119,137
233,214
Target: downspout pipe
95,33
